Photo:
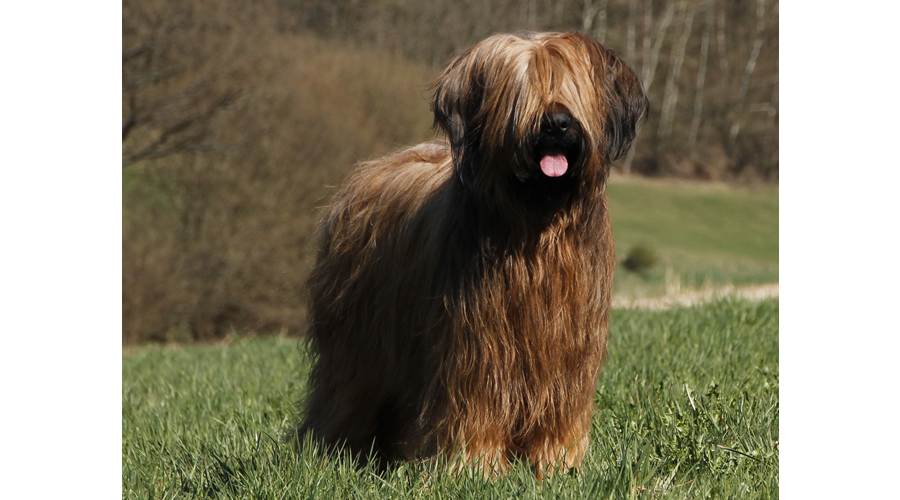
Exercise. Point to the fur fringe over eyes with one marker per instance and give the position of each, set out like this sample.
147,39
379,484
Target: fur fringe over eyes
460,300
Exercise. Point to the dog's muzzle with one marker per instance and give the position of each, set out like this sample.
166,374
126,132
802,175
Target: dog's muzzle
558,145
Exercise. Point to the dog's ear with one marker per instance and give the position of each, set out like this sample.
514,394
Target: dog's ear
626,104
458,96
628,108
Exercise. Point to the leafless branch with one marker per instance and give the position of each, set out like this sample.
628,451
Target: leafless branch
186,135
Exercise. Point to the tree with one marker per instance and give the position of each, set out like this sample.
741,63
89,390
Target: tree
182,67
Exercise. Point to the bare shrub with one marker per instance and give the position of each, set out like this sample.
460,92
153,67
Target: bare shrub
217,238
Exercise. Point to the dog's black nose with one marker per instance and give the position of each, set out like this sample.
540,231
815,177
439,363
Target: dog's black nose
560,122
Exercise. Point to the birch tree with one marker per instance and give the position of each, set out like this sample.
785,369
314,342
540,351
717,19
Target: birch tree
670,95
748,71
653,41
701,76
591,12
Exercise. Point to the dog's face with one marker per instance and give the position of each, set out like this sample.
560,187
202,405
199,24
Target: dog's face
546,106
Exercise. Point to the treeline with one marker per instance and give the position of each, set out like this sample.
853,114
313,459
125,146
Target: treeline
240,117
710,67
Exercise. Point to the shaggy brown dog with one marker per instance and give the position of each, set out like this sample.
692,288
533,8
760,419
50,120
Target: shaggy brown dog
460,300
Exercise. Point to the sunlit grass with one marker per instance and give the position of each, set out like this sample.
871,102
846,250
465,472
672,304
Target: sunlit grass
687,408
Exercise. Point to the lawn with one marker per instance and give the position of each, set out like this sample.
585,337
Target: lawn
702,234
687,408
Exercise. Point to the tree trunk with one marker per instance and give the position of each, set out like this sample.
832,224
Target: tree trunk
670,95
652,54
748,71
701,77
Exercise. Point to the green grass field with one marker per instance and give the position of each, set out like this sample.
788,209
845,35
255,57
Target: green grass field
703,234
687,408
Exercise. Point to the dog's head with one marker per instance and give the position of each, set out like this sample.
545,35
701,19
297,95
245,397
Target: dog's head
548,106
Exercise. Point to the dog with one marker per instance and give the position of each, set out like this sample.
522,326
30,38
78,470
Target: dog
460,299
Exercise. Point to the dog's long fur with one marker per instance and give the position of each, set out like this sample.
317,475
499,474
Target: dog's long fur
460,301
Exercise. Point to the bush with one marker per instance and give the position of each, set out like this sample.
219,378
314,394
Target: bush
640,259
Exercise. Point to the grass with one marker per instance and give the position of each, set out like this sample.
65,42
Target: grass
687,408
704,234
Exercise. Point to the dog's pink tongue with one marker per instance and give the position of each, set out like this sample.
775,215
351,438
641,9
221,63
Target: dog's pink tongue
554,166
